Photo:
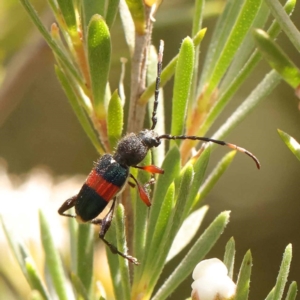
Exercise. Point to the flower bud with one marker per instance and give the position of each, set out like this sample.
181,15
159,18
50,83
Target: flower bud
211,281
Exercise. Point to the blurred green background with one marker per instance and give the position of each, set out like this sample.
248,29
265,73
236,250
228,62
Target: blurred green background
38,128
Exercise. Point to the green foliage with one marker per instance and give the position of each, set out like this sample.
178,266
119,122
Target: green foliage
292,144
81,43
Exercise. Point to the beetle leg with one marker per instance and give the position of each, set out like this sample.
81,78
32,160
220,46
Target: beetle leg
131,184
142,191
151,169
67,205
105,224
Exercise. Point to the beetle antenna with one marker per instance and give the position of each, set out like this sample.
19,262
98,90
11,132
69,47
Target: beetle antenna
205,139
157,84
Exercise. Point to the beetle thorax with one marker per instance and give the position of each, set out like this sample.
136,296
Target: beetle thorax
133,148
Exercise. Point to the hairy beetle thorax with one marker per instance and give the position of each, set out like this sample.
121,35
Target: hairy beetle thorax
133,148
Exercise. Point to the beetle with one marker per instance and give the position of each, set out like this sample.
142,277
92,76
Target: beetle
111,172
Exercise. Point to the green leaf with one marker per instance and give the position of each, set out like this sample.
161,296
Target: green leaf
213,178
52,44
247,69
175,221
168,70
292,144
128,26
277,59
35,278
237,34
197,23
113,260
158,153
283,273
85,252
78,110
68,12
245,50
187,231
229,256
258,94
200,164
198,251
114,119
136,8
91,8
111,12
243,282
73,230
79,287
159,230
221,32
124,279
99,51
171,165
53,261
18,249
292,292
141,212
182,84
285,22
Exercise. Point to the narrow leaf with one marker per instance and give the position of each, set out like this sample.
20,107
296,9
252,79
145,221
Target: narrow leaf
141,212
79,287
124,283
229,256
53,260
285,22
258,94
35,278
277,59
91,8
187,231
292,292
200,163
171,165
160,229
243,282
233,41
169,70
99,51
136,8
182,84
196,254
111,12
283,273
221,32
68,12
174,223
245,50
213,178
18,249
158,153
78,110
52,44
128,25
85,252
113,260
114,119
247,69
292,144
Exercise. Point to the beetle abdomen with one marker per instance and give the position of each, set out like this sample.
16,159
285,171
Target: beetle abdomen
103,183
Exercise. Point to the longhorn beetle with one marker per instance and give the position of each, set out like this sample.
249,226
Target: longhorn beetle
110,173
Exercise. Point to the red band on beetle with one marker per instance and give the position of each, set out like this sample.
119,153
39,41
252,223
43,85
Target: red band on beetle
103,188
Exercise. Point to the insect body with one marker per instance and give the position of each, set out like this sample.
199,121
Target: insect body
111,172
